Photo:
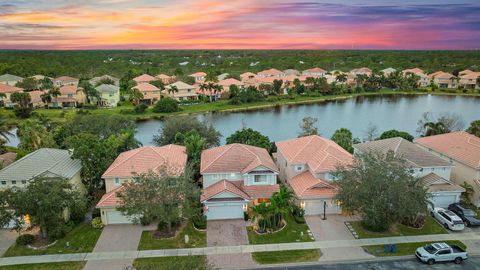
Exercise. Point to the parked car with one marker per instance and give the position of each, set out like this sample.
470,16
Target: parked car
448,219
441,252
467,215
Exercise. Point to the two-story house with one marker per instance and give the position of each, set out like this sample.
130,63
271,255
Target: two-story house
199,76
144,78
7,90
70,96
444,79
423,80
109,95
181,91
314,72
307,165
234,176
273,72
129,164
431,169
150,92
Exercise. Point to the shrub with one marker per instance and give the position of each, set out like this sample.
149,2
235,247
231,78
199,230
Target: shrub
90,106
97,223
57,232
140,108
96,213
161,225
200,222
25,239
166,105
298,214
22,112
245,216
144,221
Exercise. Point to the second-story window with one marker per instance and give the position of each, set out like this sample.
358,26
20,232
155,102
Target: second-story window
298,168
260,179
117,181
14,182
4,183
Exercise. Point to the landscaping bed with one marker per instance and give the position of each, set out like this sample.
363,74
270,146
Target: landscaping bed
82,238
287,256
184,262
46,266
405,248
197,238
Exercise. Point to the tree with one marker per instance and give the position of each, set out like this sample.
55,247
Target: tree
371,132
466,197
185,124
90,92
166,105
159,84
46,84
34,135
195,144
393,133
105,80
54,92
382,190
5,133
28,84
277,86
434,128
308,127
430,125
136,96
344,138
22,108
172,89
250,137
474,128
159,195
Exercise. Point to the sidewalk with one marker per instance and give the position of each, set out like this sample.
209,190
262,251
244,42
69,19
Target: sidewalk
218,250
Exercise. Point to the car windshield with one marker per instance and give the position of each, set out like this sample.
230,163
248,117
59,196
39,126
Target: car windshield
469,213
457,222
430,249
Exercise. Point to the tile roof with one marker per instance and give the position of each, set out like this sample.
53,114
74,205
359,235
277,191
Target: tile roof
42,161
415,155
361,70
181,85
68,89
461,146
235,158
315,70
320,154
146,87
435,183
144,78
144,159
230,81
5,88
413,70
110,199
441,75
36,96
272,71
107,88
10,78
198,74
66,79
305,185
291,72
238,188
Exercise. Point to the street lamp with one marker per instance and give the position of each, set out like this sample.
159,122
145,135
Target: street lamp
324,210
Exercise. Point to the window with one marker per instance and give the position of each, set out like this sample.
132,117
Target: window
260,179
117,181
24,182
4,183
14,182
298,168
444,252
432,169
70,95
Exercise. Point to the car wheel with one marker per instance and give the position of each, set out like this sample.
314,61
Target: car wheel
467,223
445,225
431,261
458,260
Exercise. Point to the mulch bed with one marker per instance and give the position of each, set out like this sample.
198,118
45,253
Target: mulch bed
166,234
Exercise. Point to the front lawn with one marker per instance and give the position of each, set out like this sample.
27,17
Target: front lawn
180,263
196,239
405,248
82,238
46,266
430,227
293,232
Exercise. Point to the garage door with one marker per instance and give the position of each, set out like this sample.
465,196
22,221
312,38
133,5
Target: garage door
315,207
116,217
225,211
443,200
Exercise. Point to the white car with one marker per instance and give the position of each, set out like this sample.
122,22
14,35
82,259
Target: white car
448,219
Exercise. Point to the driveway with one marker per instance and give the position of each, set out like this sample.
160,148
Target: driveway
7,238
116,238
334,229
228,233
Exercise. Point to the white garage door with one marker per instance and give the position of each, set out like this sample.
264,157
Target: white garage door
116,217
443,200
224,211
315,207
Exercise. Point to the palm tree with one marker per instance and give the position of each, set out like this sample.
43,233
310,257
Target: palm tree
260,213
54,93
46,98
136,96
434,128
469,191
172,89
4,129
284,195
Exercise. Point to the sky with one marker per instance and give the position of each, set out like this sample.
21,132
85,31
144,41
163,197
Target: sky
240,24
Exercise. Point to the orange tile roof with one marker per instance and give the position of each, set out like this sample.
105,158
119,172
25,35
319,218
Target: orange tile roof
35,96
230,81
163,76
248,74
235,158
272,71
461,146
68,89
441,74
146,87
198,74
144,78
110,199
315,70
239,189
66,79
363,69
320,154
5,88
413,70
148,158
305,185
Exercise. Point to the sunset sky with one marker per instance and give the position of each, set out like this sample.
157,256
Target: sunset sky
240,24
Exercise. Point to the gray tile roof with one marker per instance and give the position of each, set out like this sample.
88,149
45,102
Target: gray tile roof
412,153
435,183
95,80
45,161
9,78
107,88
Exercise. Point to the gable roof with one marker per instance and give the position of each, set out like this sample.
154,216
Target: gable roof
413,154
315,70
146,87
181,85
144,78
68,89
320,154
198,74
272,71
238,188
110,199
305,185
248,74
10,78
164,77
44,160
461,146
235,158
361,70
230,81
148,158
5,88
435,183
107,88
414,70
66,79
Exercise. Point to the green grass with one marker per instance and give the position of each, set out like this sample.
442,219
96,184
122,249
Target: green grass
287,256
180,263
196,239
430,227
405,248
46,266
81,239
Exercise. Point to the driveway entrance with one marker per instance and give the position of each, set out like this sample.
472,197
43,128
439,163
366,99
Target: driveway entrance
7,238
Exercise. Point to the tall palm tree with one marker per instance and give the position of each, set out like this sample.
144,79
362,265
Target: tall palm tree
469,191
46,98
260,213
5,133
136,96
54,93
172,89
435,128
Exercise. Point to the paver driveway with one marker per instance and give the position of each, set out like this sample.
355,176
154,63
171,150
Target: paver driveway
228,233
7,238
334,229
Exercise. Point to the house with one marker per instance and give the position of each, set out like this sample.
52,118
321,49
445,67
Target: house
66,80
388,71
247,75
468,79
10,79
109,95
7,90
165,78
144,78
307,165
271,73
151,93
423,81
444,79
44,162
463,151
185,91
314,72
235,176
129,164
291,72
361,71
230,81
36,98
95,81
199,76
70,96
433,170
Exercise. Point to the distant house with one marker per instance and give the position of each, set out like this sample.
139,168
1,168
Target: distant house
109,95
463,151
433,170
361,71
307,165
66,81
95,81
144,78
185,91
70,96
388,71
198,76
444,79
151,93
10,79
314,72
270,73
424,80
234,177
230,81
36,98
172,158
247,76
7,90
291,72
166,79
468,79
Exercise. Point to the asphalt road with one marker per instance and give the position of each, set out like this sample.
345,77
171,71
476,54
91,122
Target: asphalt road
473,263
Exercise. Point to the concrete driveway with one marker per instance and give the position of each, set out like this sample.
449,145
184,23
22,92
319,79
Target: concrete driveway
7,238
334,229
228,233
